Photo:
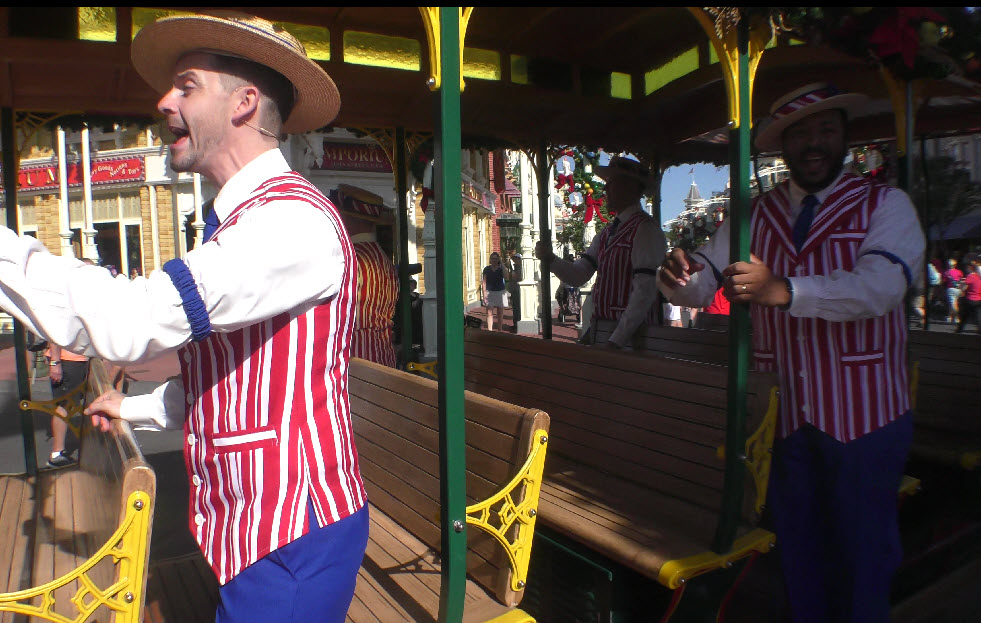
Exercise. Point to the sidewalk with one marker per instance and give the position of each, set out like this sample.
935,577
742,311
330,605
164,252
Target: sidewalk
561,331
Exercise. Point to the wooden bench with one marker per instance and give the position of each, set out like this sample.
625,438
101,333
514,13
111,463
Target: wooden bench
634,470
395,418
704,345
947,407
75,543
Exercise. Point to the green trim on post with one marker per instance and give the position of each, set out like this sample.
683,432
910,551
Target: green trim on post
545,234
739,319
401,188
9,148
449,269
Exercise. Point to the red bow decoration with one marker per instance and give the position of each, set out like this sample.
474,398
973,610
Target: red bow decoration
427,194
593,207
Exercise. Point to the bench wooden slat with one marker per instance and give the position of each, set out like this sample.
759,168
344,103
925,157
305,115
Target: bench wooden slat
395,418
17,521
633,468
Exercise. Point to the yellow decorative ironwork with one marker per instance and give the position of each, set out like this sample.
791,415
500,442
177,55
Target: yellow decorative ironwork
721,31
909,485
128,549
430,19
675,573
385,137
515,517
897,97
428,368
75,407
514,616
758,450
26,125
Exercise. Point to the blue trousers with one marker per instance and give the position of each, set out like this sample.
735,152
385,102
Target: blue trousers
834,510
310,579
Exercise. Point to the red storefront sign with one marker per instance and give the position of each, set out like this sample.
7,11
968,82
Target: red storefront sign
104,171
354,157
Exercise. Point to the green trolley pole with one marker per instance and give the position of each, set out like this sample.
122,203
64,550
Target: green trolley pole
739,320
544,207
401,187
449,269
9,148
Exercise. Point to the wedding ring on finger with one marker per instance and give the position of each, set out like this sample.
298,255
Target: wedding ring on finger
744,287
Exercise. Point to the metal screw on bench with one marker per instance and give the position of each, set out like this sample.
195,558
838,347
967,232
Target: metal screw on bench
458,525
521,583
543,439
728,564
742,457
138,505
532,513
129,597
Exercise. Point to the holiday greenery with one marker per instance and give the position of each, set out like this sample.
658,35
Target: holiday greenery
581,195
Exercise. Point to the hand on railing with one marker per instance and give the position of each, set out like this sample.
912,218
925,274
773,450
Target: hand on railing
104,409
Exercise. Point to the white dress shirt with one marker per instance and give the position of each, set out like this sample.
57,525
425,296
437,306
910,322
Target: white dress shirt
279,256
647,252
871,289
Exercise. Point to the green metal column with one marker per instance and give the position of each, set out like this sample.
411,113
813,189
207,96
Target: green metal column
401,188
9,147
449,270
545,233
739,319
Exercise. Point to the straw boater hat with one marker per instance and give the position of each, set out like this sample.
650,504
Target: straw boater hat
627,167
801,103
159,45
362,204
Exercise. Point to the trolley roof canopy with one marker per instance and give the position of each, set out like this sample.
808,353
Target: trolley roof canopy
638,79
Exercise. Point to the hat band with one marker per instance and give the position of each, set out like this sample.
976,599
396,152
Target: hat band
807,99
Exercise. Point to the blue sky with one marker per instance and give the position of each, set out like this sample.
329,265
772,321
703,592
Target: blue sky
676,181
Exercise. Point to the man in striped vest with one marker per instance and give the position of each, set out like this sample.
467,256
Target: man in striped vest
833,255
378,278
625,256
261,316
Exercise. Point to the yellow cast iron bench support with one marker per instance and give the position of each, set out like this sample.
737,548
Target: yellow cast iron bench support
395,419
78,537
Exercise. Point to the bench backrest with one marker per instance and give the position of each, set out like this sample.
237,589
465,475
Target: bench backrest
705,345
949,388
396,425
80,509
654,421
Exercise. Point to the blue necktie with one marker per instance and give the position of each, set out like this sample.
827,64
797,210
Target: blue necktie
211,223
804,219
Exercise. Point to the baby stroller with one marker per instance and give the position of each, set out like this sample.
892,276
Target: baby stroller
568,299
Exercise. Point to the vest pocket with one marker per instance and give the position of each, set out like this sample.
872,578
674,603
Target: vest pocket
245,440
764,360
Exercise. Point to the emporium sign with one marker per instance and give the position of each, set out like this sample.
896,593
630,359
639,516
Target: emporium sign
105,171
354,157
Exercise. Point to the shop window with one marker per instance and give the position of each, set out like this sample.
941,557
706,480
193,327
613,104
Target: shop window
108,244
365,48
134,250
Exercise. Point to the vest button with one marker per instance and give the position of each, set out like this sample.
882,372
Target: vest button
804,409
196,480
191,439
199,519
190,399
187,358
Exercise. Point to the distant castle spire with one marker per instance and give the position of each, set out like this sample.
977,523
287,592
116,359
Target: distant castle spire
693,194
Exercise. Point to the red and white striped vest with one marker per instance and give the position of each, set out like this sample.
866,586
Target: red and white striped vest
378,293
845,378
268,419
616,271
